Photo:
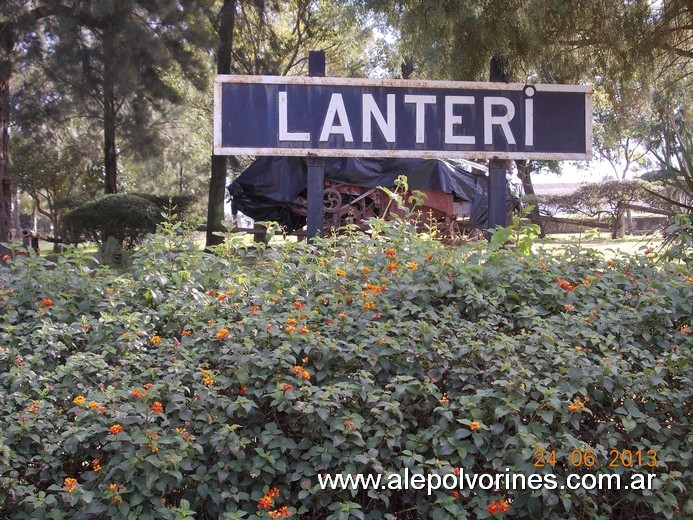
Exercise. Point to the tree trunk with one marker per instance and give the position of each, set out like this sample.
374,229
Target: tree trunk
524,169
109,117
215,205
56,222
217,181
619,223
6,46
16,222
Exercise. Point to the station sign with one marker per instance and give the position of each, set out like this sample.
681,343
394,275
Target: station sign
349,117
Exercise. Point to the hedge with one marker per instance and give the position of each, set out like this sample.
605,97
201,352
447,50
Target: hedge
127,218
201,386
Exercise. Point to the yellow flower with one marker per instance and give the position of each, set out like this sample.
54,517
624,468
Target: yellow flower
341,272
207,379
156,340
79,400
222,334
70,485
576,406
413,266
93,405
474,426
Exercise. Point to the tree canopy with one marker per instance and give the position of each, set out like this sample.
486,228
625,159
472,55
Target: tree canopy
137,73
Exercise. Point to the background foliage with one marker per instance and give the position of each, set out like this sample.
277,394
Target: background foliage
196,384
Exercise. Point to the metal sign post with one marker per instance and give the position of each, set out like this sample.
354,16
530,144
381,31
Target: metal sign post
315,220
497,168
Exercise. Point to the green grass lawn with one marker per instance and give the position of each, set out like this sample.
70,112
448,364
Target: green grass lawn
602,242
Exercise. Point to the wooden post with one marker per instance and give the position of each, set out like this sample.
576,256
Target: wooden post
316,165
497,168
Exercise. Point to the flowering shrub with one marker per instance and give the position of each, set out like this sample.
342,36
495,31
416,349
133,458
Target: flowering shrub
148,395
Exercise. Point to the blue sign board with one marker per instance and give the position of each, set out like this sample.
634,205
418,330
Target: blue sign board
338,117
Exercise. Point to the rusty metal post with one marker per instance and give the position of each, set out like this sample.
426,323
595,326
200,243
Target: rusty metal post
316,165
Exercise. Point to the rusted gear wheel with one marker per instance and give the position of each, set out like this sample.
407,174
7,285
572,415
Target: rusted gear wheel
332,200
355,213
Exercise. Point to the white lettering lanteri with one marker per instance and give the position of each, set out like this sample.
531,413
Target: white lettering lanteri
335,110
284,134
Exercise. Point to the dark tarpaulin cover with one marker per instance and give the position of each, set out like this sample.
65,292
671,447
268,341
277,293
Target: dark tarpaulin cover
264,190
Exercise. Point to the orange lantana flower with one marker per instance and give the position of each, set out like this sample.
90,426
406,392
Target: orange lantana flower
265,502
501,506
301,372
70,485
282,512
576,406
563,284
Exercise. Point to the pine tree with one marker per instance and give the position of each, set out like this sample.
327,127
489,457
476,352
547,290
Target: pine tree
112,58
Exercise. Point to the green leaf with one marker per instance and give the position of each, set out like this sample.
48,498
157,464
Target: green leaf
629,424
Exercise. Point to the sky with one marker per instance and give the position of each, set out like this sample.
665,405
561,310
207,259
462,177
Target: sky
592,171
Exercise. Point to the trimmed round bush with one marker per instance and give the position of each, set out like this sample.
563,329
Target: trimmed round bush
127,218
227,386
